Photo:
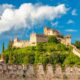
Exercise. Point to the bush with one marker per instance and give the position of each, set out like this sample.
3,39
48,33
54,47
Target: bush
52,39
77,44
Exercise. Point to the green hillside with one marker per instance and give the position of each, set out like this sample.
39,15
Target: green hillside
51,52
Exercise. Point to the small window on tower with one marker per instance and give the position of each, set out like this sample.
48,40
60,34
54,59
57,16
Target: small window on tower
33,43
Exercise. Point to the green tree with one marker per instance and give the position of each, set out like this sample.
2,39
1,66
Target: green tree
72,60
3,48
31,58
26,60
10,52
52,39
10,59
10,45
77,44
40,47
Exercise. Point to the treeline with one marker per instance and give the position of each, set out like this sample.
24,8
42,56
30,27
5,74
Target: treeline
52,52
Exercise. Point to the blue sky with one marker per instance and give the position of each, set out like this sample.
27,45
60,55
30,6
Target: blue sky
66,23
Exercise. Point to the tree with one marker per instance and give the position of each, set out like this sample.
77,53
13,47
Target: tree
3,47
40,47
72,60
10,59
52,39
77,44
25,60
10,45
31,58
10,52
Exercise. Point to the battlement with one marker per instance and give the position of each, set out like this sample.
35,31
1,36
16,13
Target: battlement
20,43
37,72
66,40
36,38
49,31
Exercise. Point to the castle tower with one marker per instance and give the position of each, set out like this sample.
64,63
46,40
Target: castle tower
16,39
68,40
48,31
36,38
2,60
33,39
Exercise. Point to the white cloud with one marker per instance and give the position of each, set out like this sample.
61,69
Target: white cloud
74,13
70,21
71,30
54,23
5,6
29,15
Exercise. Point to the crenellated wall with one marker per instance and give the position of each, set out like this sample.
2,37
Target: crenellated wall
37,72
37,38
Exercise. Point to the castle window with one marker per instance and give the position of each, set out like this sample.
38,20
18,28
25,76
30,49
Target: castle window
33,43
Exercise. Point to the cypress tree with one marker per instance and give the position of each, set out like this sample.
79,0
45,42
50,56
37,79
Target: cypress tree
3,48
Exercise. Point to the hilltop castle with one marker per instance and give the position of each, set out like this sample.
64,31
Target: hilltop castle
36,38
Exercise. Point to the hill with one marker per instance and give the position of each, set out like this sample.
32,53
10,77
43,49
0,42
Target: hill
52,52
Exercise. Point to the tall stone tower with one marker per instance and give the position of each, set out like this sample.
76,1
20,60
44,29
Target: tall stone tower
16,39
33,39
66,40
48,31
36,38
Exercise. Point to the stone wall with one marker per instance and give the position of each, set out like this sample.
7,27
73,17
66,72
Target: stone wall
36,38
38,72
49,31
20,43
66,40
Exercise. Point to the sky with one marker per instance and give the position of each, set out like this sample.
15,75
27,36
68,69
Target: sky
19,18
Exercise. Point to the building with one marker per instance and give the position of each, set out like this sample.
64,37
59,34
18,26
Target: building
48,31
36,38
20,43
66,40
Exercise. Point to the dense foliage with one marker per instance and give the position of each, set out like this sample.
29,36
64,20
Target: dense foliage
51,52
77,44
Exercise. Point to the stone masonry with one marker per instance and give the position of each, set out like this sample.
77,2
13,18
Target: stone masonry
38,72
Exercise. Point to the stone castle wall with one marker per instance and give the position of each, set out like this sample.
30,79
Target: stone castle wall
49,31
36,38
37,72
19,43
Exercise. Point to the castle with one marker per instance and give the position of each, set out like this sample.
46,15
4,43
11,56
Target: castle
36,38
48,31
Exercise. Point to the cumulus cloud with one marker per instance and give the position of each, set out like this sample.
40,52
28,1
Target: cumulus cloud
28,15
70,21
5,6
71,30
74,13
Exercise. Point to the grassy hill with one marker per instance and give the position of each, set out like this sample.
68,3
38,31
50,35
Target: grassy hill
51,52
